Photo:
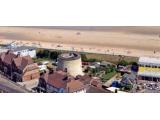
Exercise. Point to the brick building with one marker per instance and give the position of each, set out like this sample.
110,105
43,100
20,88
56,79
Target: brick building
18,68
60,82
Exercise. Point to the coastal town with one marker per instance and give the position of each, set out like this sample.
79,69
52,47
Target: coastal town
49,67
39,70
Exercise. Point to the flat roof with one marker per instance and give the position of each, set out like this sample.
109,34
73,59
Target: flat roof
149,61
149,72
21,48
69,56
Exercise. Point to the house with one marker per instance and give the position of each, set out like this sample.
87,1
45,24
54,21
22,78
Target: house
75,86
6,59
60,82
24,69
53,81
24,51
129,79
57,82
18,68
149,69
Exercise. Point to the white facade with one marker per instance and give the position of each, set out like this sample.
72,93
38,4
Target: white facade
149,68
42,67
81,91
149,61
25,52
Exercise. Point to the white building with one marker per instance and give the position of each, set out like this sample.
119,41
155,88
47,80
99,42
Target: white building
24,51
149,68
42,67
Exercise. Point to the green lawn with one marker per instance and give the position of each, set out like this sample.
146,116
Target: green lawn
40,59
108,76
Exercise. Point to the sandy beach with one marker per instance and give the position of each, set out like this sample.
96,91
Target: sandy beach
129,41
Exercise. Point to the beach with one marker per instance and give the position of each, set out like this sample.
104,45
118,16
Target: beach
127,41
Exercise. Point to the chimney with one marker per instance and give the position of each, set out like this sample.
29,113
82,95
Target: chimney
18,55
9,51
51,71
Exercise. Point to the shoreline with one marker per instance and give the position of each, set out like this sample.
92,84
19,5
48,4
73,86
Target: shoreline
83,48
126,41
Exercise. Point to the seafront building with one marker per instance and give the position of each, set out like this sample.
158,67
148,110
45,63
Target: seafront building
61,82
149,69
71,63
24,51
18,68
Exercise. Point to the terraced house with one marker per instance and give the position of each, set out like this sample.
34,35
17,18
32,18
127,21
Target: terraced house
18,68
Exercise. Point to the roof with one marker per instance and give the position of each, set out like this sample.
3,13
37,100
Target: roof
2,55
20,48
7,57
128,78
93,89
149,72
22,62
86,79
149,61
57,79
32,72
69,56
94,83
74,86
105,63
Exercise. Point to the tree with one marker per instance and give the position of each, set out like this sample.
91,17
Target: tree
54,55
46,53
84,57
128,87
123,63
40,53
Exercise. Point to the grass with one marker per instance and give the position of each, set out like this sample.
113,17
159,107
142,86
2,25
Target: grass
2,45
40,59
108,76
111,58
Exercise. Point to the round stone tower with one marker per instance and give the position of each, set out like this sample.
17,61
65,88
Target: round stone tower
70,62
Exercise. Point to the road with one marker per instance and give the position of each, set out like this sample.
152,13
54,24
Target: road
10,87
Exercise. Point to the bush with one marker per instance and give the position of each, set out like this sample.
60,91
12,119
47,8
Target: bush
128,87
42,53
54,55
123,63
110,69
84,57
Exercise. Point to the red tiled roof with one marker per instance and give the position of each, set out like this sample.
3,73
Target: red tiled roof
94,83
2,55
8,57
57,79
85,79
74,86
22,62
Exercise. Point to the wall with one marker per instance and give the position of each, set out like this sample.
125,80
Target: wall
74,67
32,53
